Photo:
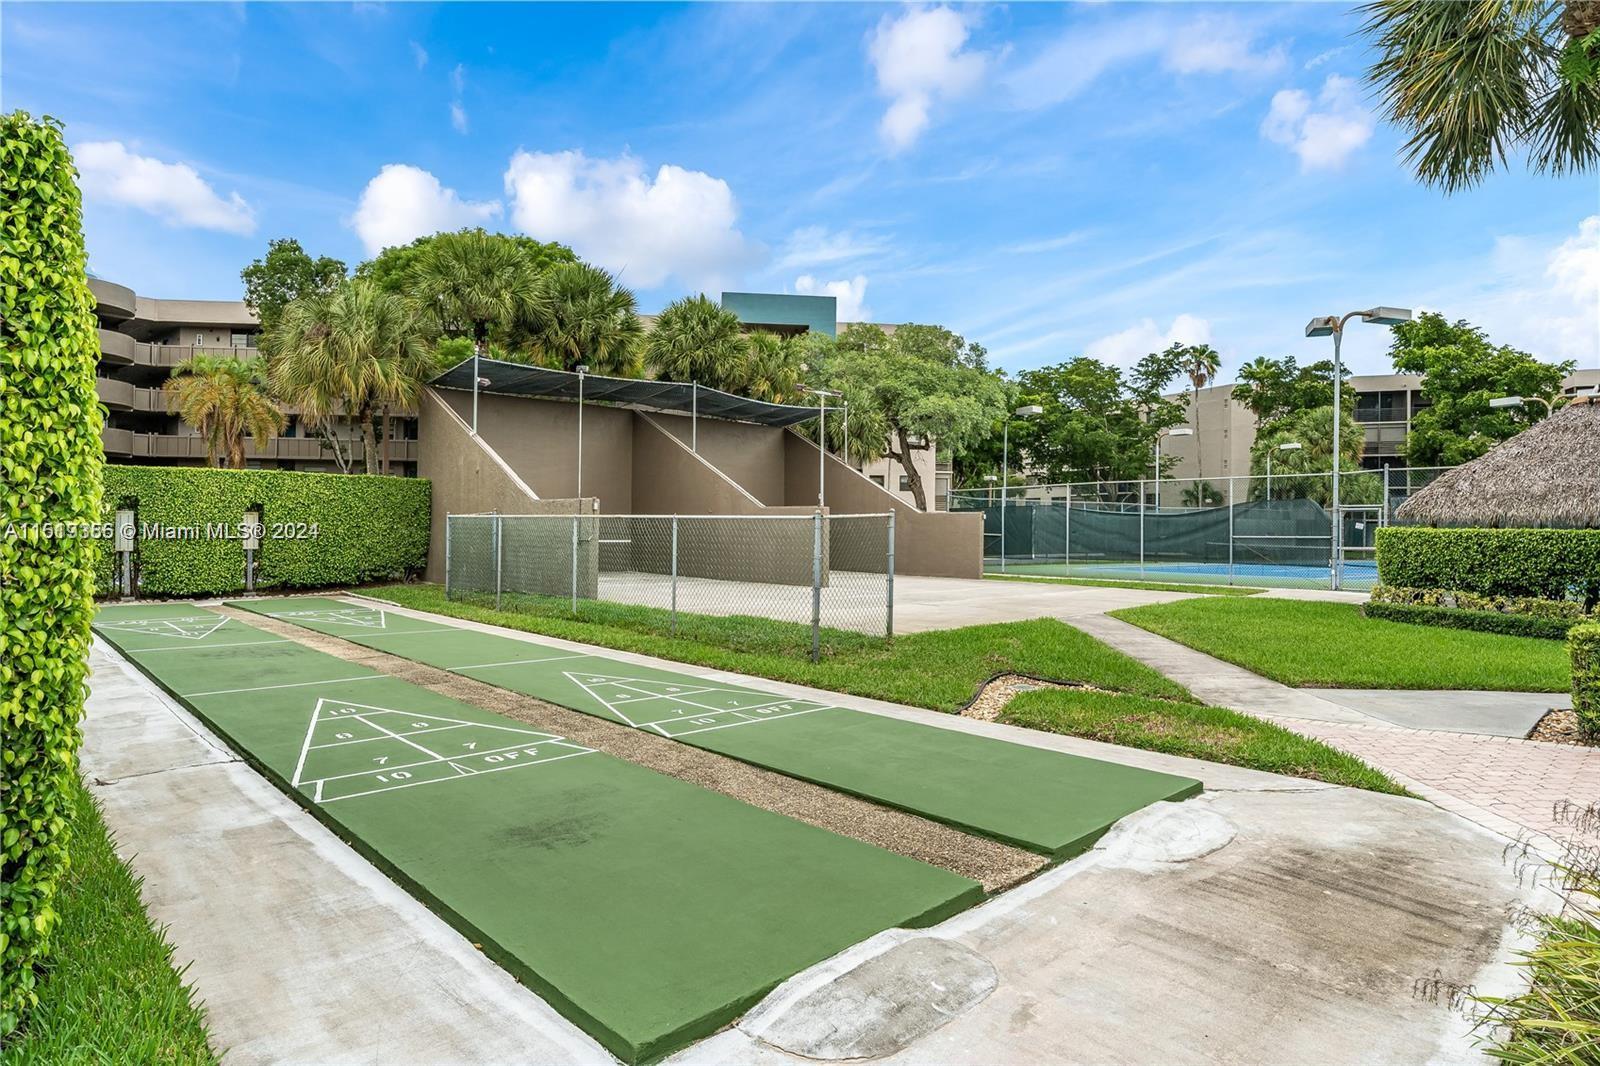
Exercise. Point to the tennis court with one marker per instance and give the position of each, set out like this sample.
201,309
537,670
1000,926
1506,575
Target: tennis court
1047,802
1355,574
646,909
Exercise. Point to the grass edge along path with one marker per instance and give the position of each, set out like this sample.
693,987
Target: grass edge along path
738,898
1322,644
1147,702
1147,586
941,670
110,992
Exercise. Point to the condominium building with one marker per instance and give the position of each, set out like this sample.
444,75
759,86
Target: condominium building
1225,431
142,340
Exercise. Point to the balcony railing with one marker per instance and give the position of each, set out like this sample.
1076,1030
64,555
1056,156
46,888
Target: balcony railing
121,350
127,443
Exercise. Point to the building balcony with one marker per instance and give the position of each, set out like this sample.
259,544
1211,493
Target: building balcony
119,349
125,396
126,444
113,300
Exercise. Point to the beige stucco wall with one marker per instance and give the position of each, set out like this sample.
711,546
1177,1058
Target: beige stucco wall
539,439
752,456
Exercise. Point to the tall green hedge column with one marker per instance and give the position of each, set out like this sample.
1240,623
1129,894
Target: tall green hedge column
49,495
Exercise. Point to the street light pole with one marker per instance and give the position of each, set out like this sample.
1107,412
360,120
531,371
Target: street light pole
1332,326
582,370
1005,469
822,440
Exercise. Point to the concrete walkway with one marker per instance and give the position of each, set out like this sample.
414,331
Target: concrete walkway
1481,772
1272,919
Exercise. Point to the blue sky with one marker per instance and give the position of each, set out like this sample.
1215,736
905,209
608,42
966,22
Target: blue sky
1049,180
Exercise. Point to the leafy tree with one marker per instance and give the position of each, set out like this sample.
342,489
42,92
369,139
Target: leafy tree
1274,389
352,352
921,384
696,340
392,268
1099,423
1312,429
285,274
1200,363
222,398
1462,371
473,284
1202,494
771,369
1475,80
582,317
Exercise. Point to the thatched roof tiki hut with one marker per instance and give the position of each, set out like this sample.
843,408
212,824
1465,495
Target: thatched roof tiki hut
1546,476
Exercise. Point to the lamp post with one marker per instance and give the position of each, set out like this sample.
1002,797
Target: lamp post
1029,411
582,370
1522,401
822,440
991,479
1333,326
1291,446
1175,431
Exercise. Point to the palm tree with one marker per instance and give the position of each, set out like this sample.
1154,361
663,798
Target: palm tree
584,317
696,340
222,398
1201,363
475,283
771,369
1474,80
350,352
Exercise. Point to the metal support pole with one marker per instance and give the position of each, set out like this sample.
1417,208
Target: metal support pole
694,416
1230,530
816,586
1141,527
1158,473
1005,483
476,377
1066,547
674,575
447,557
1269,477
1338,519
1383,512
822,453
575,520
499,556
888,624
580,434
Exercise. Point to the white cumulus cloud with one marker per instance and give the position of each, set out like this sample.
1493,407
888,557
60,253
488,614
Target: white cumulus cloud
405,202
920,56
675,223
173,192
1322,132
1128,346
850,293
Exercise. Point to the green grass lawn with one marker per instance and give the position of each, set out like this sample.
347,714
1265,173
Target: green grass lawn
940,670
1212,733
110,993
1316,643
1149,586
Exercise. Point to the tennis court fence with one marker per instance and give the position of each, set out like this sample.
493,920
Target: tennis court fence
1277,531
831,572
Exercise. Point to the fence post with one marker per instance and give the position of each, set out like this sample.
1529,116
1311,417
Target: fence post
674,575
575,520
1141,527
1230,529
1066,547
888,623
816,586
447,556
499,556
1383,512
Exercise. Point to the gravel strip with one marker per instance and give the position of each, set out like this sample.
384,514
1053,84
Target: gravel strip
1559,726
994,865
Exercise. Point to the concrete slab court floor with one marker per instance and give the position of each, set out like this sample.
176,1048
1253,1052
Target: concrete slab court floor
1271,919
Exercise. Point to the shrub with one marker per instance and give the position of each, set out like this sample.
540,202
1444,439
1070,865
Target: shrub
366,527
1512,625
1553,564
1584,643
1569,610
49,462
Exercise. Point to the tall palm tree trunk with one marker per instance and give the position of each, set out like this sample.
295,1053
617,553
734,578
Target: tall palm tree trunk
369,441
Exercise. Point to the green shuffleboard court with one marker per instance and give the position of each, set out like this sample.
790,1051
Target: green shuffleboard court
648,910
1048,802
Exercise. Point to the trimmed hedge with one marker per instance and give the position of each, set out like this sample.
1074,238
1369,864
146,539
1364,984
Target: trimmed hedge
1569,611
50,461
1584,643
1552,564
320,529
1512,625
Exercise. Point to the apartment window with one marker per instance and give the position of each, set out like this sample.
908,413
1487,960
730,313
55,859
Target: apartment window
877,479
905,482
241,340
1387,405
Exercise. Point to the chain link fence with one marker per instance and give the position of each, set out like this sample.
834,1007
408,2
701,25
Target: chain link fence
1276,531
824,571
